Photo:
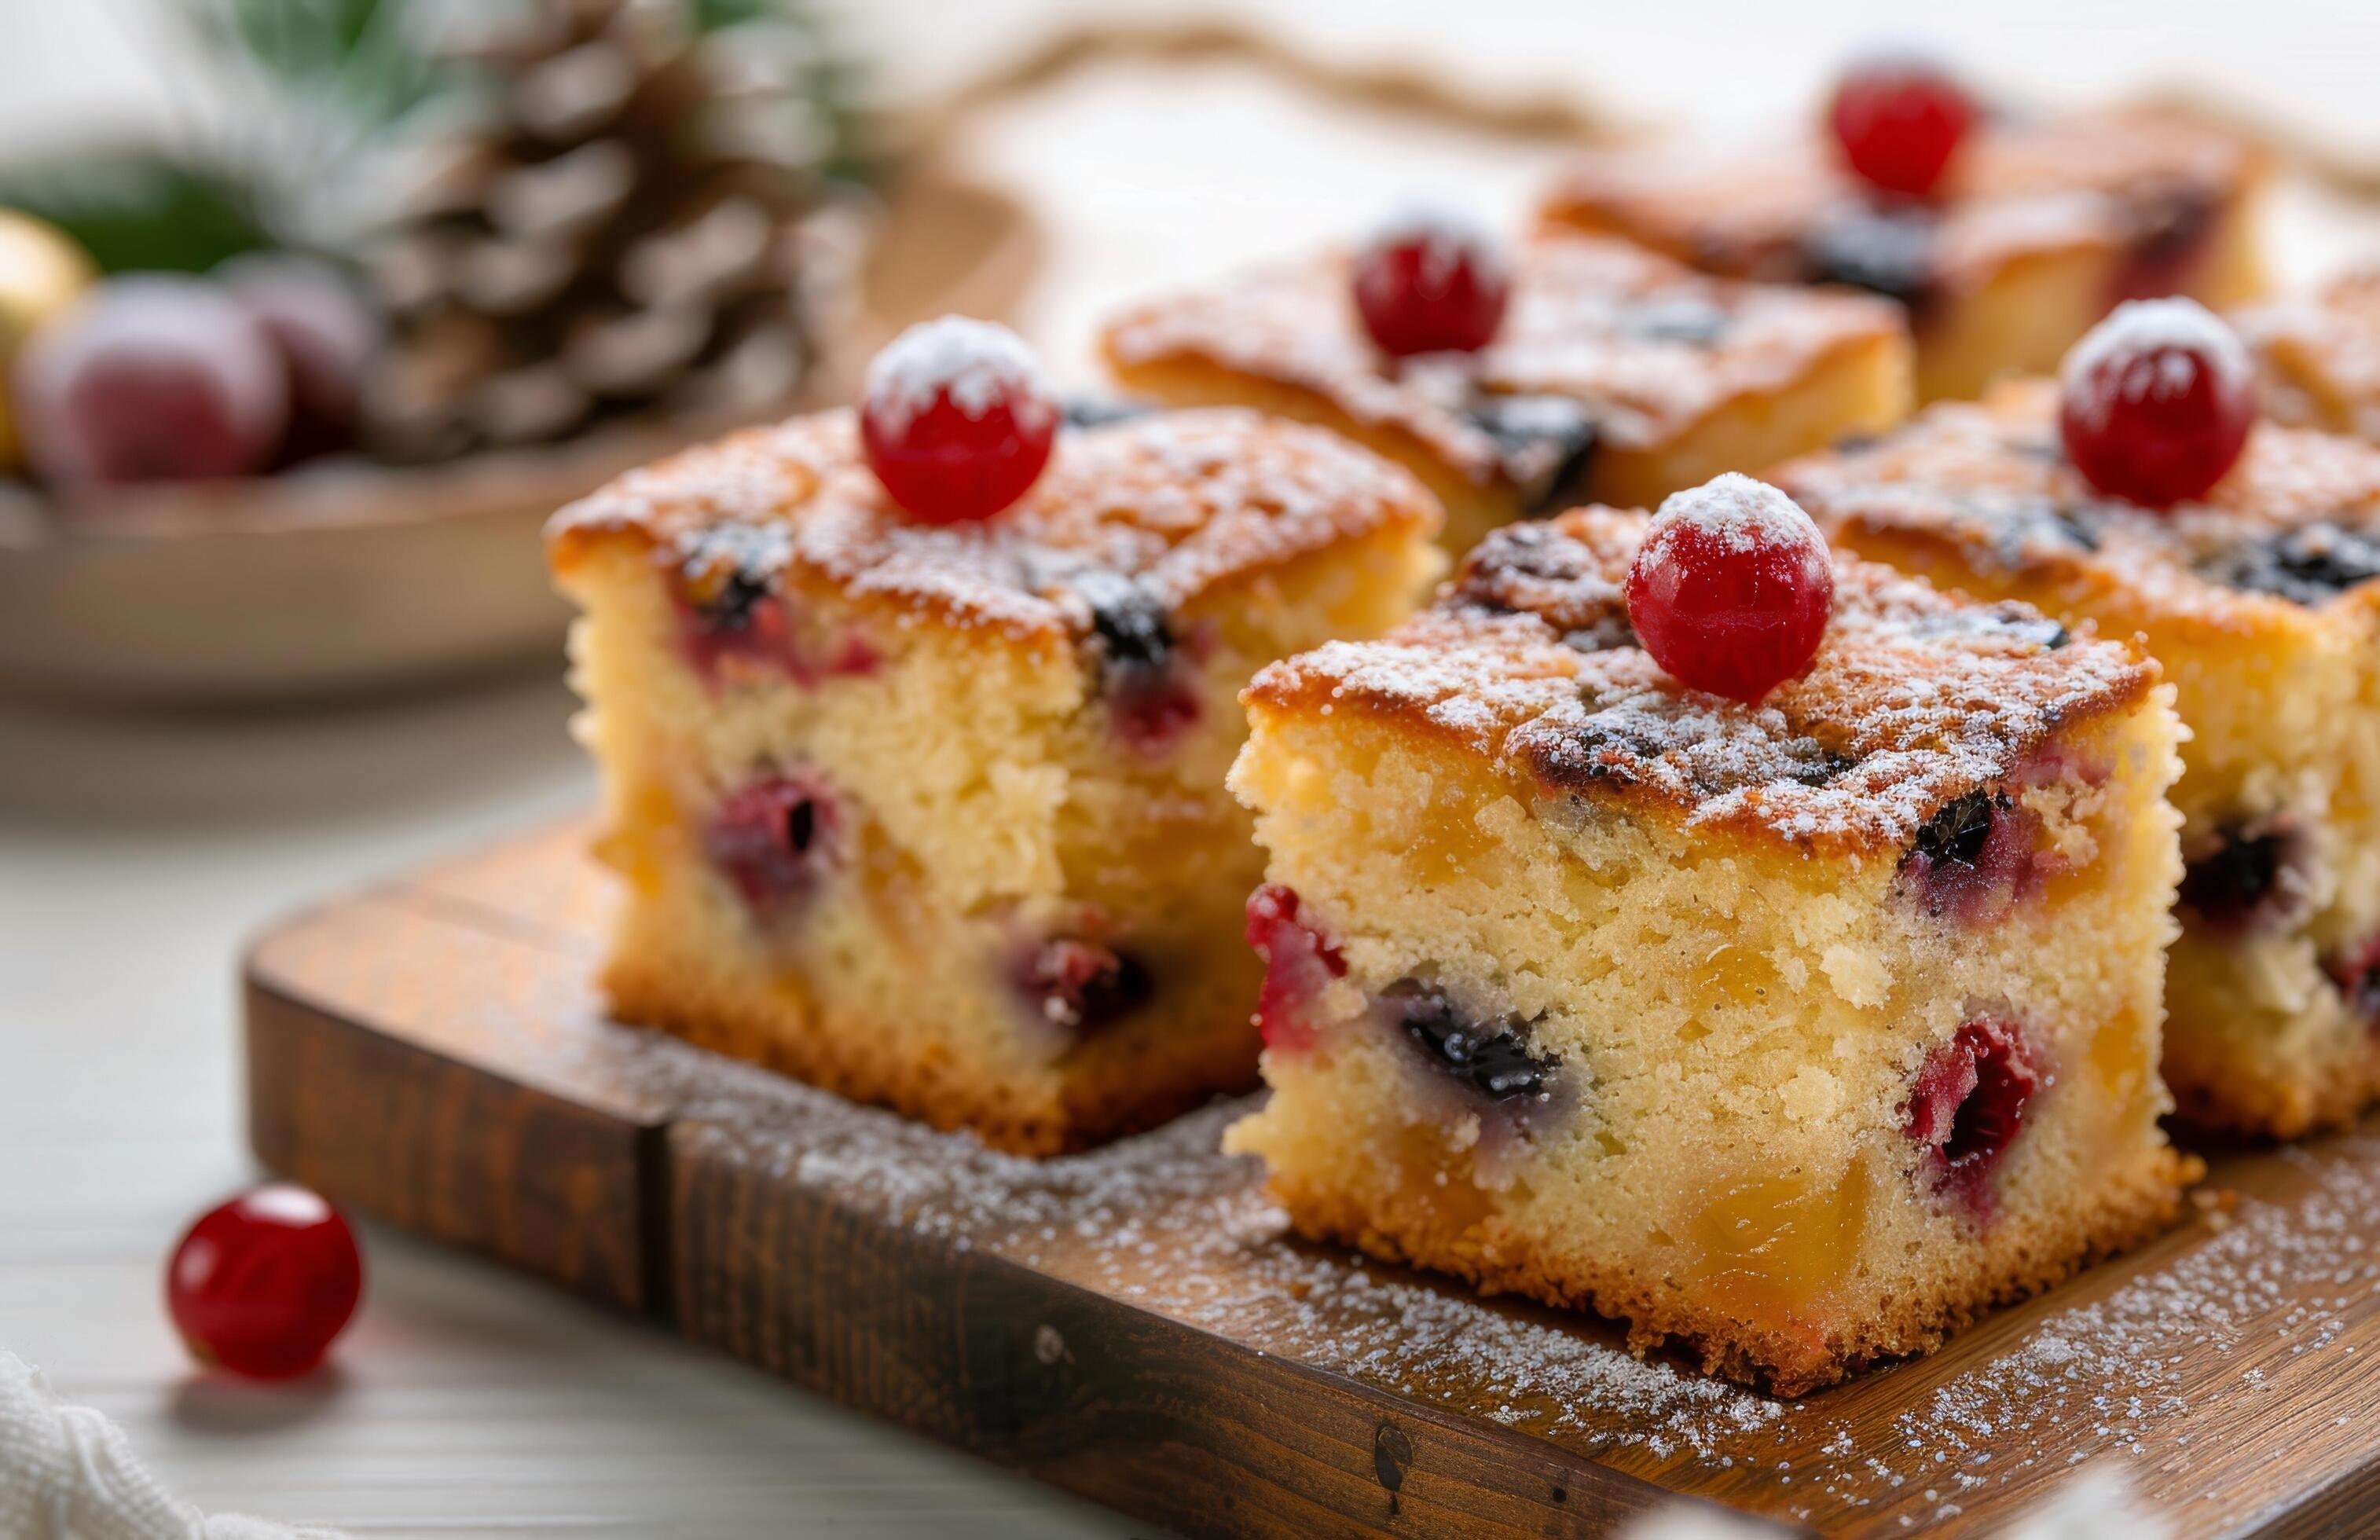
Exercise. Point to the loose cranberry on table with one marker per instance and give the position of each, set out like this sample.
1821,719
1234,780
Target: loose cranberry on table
1899,122
1732,588
153,377
1429,281
956,420
264,1284
2155,402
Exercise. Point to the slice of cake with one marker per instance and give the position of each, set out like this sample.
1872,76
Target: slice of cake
1613,374
2318,356
932,814
2256,598
1800,1032
2036,228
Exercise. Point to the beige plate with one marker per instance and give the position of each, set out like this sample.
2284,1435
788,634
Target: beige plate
348,580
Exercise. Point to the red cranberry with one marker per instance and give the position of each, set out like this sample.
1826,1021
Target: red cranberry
324,334
1732,588
1082,986
262,1284
772,840
742,628
1899,122
957,421
2155,403
1968,1107
1431,282
1298,965
153,378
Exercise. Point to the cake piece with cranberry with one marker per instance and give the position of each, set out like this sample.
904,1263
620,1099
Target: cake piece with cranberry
915,776
1516,384
1797,1024
2245,556
2006,238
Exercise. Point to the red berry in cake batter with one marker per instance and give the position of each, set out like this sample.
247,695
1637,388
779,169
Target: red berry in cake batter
1299,964
772,838
2155,403
1732,588
1431,282
1899,122
1969,1104
262,1284
957,421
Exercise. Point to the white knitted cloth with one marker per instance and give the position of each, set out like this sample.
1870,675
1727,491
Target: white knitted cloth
68,1474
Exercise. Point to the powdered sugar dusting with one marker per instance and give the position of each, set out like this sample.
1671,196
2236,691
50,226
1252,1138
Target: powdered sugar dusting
972,364
2155,1366
1447,238
1914,699
1737,514
2178,333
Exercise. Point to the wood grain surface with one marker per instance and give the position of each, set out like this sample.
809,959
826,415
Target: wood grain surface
1135,1326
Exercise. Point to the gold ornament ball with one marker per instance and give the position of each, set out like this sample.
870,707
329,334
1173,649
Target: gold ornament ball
42,273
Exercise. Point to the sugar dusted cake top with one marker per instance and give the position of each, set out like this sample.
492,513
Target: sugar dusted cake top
1646,347
1914,700
2321,353
2017,186
1182,503
2295,522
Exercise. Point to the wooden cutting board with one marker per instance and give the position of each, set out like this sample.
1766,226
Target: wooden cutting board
1134,1325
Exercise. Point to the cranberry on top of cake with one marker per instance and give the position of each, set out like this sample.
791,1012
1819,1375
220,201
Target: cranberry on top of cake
1913,701
1607,373
1180,505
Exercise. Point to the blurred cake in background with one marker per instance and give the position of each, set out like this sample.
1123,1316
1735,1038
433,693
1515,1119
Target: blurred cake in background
2006,238
1517,384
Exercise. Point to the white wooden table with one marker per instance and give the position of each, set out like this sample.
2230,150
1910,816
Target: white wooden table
135,854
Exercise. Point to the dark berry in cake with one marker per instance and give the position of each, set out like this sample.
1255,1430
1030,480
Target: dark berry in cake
2169,234
2239,882
1430,281
1968,1107
261,1285
1886,251
1097,411
1083,986
1547,443
1973,858
956,420
1899,122
1144,672
1486,1057
1732,588
2310,564
772,840
2155,403
1299,964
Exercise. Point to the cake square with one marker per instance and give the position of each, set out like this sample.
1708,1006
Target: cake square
1800,1034
1618,376
2318,356
2258,601
933,815
2043,227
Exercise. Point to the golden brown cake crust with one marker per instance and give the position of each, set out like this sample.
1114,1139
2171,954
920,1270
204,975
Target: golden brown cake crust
1184,502
1647,346
1500,1258
1914,699
2320,355
2020,186
1988,486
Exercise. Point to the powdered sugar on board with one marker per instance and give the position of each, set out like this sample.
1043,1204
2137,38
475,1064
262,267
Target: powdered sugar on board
2152,1367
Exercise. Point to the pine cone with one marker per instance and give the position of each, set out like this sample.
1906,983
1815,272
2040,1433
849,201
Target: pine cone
637,222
